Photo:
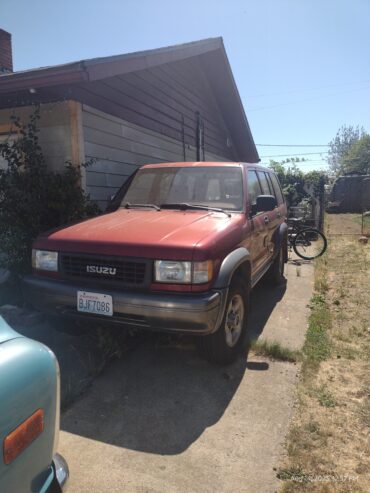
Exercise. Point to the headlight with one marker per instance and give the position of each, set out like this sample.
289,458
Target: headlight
43,260
177,272
172,271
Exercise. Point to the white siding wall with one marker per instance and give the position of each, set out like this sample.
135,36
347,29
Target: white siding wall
69,133
119,147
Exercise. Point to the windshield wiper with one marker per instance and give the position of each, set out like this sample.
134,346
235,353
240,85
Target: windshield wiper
184,205
128,205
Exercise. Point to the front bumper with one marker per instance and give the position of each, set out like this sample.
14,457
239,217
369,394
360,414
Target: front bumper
60,475
199,313
61,471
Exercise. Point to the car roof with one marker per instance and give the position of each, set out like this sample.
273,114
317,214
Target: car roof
190,164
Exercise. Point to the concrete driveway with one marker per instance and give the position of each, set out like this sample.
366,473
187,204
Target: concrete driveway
163,420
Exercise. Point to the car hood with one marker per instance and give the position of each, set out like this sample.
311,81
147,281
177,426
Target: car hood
149,233
6,332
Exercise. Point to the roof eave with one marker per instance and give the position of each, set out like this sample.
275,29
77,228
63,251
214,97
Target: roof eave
68,74
101,68
241,107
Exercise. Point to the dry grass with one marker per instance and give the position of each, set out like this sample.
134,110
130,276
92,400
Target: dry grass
328,447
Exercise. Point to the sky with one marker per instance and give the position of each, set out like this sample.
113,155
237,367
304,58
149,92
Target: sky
302,67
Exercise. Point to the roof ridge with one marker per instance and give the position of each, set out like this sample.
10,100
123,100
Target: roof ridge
111,58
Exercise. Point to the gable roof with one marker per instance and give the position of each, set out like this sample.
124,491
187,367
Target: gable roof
45,83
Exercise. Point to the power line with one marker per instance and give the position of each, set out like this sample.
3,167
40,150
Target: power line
300,164
308,89
293,145
307,100
313,165
295,155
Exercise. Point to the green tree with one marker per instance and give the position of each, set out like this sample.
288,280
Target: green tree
295,182
291,179
279,169
357,159
340,146
32,198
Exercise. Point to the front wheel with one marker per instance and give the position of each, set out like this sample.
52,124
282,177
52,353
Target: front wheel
275,274
309,243
223,346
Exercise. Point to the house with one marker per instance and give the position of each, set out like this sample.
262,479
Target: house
178,103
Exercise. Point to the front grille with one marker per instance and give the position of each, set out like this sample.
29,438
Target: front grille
127,271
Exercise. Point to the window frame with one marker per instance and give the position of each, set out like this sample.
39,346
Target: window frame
259,171
272,189
276,180
258,181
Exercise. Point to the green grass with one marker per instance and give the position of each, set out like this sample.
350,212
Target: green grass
317,346
325,397
357,218
275,351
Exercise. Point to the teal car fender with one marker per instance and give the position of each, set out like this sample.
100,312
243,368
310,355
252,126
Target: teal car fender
29,387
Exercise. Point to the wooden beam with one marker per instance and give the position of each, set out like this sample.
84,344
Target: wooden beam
7,128
77,140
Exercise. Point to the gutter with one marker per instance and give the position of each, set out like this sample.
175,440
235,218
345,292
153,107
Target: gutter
46,77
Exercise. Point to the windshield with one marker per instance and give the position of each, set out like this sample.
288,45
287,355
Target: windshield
218,186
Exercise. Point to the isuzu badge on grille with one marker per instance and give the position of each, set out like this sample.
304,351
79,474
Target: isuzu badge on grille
97,269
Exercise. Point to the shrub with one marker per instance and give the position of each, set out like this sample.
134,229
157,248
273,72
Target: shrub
34,199
295,182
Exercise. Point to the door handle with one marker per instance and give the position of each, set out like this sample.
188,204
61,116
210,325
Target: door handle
266,219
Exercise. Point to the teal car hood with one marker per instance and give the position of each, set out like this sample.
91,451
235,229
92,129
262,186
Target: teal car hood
28,382
6,332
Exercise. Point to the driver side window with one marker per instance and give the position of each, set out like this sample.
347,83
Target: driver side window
254,189
264,183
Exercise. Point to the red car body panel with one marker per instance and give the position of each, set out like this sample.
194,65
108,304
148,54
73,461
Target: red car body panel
165,234
138,234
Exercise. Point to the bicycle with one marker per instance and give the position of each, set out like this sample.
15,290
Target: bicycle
307,242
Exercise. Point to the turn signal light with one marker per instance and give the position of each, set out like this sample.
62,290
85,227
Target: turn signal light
21,437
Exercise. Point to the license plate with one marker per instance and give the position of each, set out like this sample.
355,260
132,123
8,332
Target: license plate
100,304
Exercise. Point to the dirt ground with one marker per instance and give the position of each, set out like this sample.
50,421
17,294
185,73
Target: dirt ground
347,224
163,420
328,450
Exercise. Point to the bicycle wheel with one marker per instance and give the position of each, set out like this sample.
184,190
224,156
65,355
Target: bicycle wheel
309,243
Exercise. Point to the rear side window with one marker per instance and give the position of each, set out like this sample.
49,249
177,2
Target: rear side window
277,189
264,183
254,188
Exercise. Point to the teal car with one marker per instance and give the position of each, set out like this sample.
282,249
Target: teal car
29,416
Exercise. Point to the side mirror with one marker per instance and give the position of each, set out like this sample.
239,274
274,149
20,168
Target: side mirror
265,203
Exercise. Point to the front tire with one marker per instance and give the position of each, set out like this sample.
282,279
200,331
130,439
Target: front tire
275,274
224,345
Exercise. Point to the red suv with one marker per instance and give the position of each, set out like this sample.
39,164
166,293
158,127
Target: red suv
180,252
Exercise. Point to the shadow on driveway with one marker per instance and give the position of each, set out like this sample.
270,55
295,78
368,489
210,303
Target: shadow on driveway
161,397
158,399
264,298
